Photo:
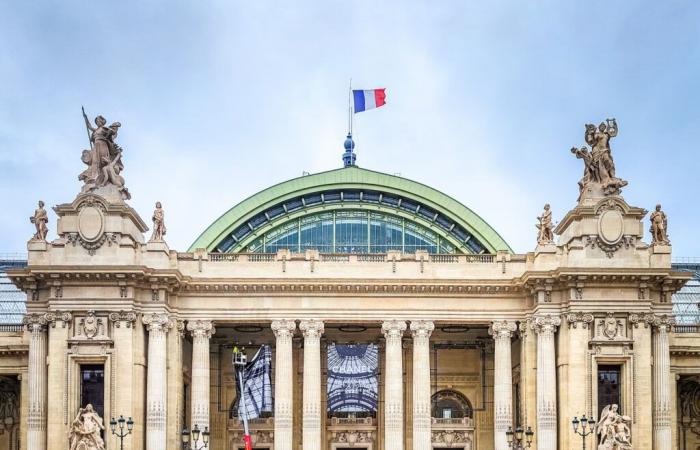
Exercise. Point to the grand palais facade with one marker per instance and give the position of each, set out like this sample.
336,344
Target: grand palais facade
376,313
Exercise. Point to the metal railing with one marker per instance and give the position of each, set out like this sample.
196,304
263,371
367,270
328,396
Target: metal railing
686,328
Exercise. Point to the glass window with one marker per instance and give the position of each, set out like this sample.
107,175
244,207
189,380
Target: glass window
92,387
609,387
351,232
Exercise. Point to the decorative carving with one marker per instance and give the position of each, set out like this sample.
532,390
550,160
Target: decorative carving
35,323
664,322
599,168
574,318
689,395
91,235
91,325
104,159
546,323
646,319
614,430
610,249
283,328
422,328
659,227
84,433
58,316
127,317
502,329
157,321
40,220
450,437
610,327
311,328
545,235
353,437
201,328
158,224
393,328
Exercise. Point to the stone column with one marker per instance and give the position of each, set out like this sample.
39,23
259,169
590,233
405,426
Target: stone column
503,382
662,387
156,386
393,385
545,326
311,419
201,331
58,328
421,330
284,399
36,419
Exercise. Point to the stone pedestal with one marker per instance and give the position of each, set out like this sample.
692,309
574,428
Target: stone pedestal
311,420
393,381
421,330
284,406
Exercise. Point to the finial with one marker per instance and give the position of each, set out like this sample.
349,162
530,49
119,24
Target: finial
349,156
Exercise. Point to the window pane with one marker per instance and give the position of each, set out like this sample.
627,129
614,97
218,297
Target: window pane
608,387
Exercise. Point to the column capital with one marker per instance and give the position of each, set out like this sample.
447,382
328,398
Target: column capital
546,323
128,317
311,328
663,323
393,328
35,323
58,316
201,328
502,329
421,328
157,321
283,327
574,318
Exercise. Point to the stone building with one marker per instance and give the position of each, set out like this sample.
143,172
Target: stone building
396,318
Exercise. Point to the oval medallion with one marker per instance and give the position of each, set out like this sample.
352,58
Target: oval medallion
90,223
610,226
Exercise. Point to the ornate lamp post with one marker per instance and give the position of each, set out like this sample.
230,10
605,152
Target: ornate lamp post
192,443
515,439
121,434
587,427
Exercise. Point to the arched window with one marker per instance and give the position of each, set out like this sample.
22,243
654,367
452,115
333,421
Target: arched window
450,404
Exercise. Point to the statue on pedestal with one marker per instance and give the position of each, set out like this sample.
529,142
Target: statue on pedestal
158,224
613,429
599,167
545,234
104,159
659,227
40,220
84,433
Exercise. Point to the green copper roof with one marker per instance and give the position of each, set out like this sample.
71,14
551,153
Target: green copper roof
350,178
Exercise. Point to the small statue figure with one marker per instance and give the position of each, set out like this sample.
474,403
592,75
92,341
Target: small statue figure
545,234
84,433
158,224
104,158
659,227
599,167
40,220
613,429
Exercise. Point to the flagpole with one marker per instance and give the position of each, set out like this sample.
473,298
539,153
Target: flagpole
350,109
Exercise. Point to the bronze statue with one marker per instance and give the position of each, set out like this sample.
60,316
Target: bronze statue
659,227
158,224
613,430
599,167
84,433
545,234
104,159
40,220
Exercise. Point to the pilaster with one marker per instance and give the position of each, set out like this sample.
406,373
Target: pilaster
58,327
662,379
284,398
36,419
176,385
393,384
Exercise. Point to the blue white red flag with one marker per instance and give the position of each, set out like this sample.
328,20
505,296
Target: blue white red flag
368,99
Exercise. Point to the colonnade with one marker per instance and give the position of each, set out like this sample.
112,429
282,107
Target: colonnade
158,326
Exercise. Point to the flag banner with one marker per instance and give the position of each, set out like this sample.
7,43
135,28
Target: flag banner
352,378
257,385
368,99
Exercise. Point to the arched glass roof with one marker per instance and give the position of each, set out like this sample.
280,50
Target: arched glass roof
350,210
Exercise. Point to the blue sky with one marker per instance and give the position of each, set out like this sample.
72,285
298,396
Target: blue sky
220,99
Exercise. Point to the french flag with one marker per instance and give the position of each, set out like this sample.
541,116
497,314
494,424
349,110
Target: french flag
368,99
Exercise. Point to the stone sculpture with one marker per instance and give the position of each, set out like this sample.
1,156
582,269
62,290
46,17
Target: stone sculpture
659,227
84,433
599,168
104,159
613,430
158,224
545,234
40,220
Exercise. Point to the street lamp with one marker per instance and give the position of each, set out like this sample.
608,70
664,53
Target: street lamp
129,428
193,436
515,439
587,427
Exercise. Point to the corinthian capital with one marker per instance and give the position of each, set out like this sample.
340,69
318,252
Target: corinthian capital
545,324
34,322
422,328
58,316
575,317
502,329
311,328
393,328
157,321
283,328
201,328
663,323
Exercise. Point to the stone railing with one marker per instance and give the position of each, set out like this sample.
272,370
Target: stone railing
342,257
453,423
686,328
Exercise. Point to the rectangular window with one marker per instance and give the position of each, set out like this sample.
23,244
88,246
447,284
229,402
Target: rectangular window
609,391
92,387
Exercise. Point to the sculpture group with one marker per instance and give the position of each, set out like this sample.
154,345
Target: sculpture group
599,167
613,430
85,431
104,159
